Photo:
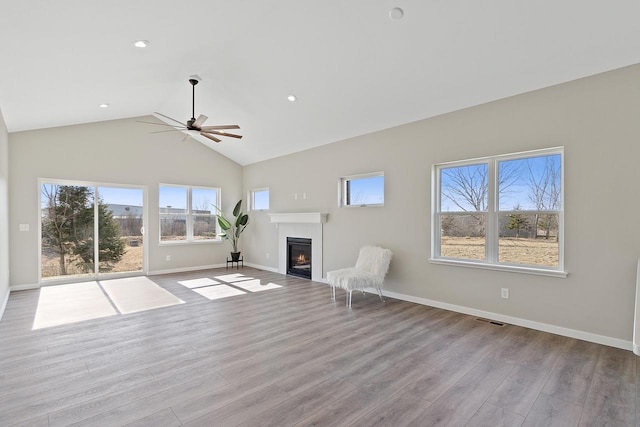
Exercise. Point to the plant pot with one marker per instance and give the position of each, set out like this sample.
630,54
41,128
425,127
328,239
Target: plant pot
235,256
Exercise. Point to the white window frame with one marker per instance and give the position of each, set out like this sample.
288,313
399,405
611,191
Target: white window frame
492,214
342,190
251,198
189,216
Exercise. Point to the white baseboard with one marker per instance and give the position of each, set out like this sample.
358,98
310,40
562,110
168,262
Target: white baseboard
4,302
184,269
261,267
558,330
26,287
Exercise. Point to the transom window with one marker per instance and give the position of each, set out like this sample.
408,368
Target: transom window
502,211
259,199
188,213
362,190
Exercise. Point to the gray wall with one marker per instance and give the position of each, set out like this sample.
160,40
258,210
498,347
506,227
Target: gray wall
4,212
595,119
118,152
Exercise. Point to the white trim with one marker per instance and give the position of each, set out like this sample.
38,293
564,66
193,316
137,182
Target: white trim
261,267
636,316
545,327
27,287
5,300
500,267
184,269
298,217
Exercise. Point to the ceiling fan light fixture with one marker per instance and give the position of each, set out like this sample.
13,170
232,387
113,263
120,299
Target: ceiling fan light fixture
141,43
104,105
292,97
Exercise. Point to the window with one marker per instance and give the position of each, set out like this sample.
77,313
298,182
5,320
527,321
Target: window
259,199
362,190
188,213
501,212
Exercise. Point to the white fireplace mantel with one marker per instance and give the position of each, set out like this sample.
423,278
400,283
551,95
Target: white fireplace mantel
306,225
299,218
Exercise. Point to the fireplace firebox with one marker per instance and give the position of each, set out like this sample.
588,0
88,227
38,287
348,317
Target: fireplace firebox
299,257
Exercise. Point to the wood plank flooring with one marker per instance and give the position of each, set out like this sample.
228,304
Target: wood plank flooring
289,356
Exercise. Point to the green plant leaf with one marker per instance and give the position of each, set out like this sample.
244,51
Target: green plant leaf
244,219
224,224
239,220
236,210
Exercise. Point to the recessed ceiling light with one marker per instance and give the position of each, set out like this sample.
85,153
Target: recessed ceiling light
291,97
141,43
396,13
104,105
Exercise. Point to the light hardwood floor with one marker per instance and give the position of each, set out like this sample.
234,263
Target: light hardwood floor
290,356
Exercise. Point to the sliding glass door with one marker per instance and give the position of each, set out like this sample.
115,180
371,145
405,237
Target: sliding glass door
73,214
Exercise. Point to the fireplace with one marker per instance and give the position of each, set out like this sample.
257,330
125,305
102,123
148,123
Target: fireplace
299,257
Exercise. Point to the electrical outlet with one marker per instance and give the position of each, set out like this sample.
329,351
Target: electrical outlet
168,257
267,255
295,196
304,196
505,293
23,227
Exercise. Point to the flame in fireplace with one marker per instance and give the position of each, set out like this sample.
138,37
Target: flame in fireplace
301,259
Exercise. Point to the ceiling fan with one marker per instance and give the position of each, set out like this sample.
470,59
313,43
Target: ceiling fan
193,124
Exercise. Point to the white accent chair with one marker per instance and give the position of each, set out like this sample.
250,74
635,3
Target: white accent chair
371,267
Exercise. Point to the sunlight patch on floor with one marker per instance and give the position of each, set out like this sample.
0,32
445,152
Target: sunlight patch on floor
63,304
256,285
135,294
218,291
198,283
231,278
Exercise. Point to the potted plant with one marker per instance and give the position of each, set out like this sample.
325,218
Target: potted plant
232,229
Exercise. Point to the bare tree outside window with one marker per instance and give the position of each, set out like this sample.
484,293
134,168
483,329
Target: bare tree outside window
528,197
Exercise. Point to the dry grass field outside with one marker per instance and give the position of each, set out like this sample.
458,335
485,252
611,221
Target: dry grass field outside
131,261
512,250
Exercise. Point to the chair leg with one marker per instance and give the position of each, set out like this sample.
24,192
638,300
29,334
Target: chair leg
349,299
380,294
333,293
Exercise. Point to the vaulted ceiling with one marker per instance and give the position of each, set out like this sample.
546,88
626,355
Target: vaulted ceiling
352,68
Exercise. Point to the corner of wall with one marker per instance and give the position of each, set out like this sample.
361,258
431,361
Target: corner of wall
4,215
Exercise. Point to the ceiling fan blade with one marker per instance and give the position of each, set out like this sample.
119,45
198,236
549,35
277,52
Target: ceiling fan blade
199,121
155,123
220,127
170,130
211,137
232,135
169,118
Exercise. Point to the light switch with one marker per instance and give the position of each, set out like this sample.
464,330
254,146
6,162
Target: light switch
23,227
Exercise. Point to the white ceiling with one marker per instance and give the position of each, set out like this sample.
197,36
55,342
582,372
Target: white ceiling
353,69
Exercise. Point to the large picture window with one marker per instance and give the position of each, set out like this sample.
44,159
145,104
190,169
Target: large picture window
188,213
501,212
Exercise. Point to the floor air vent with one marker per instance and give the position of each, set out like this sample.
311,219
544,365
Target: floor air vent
493,322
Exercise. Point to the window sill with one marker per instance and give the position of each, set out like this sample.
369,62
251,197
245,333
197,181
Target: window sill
373,205
188,242
509,268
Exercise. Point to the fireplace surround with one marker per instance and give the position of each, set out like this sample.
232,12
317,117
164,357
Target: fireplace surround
304,225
